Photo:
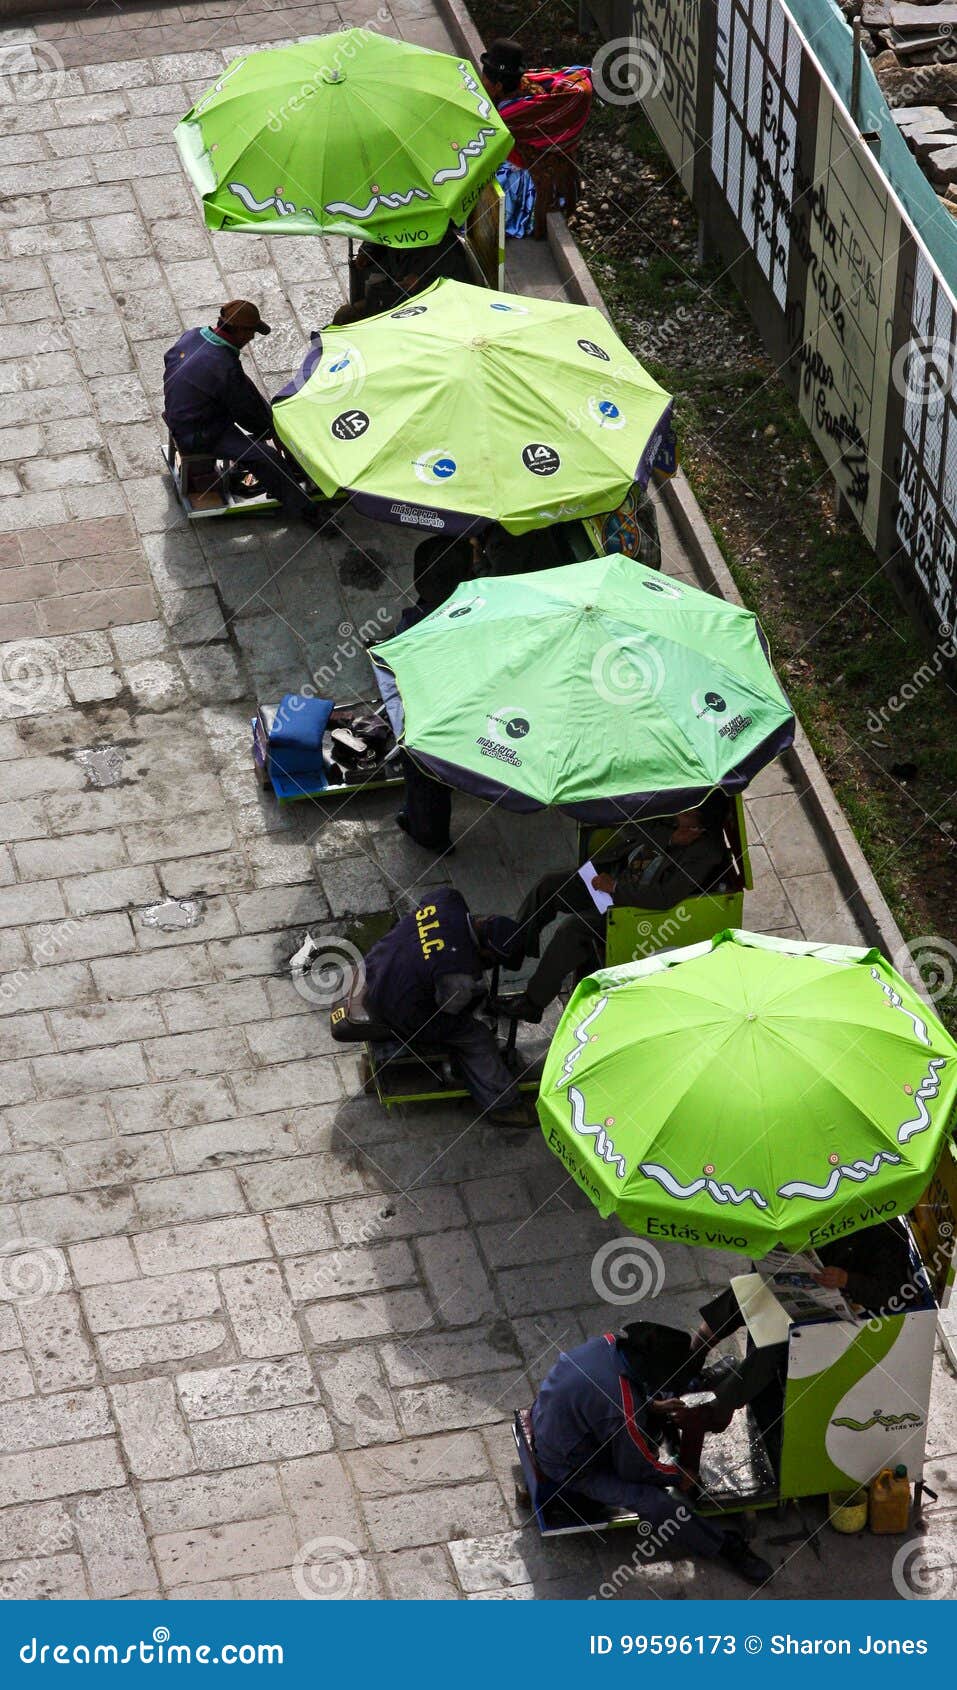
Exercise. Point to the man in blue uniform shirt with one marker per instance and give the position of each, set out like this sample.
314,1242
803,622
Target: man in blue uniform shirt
596,1423
425,979
655,866
210,404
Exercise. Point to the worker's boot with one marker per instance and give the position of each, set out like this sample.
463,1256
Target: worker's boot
520,1008
740,1557
520,1114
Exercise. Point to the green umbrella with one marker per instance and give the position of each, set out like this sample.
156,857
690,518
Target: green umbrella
347,134
749,1091
603,688
469,406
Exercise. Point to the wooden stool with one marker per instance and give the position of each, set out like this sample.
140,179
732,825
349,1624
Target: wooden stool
198,475
556,179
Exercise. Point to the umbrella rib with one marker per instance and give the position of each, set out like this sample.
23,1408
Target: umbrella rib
673,1154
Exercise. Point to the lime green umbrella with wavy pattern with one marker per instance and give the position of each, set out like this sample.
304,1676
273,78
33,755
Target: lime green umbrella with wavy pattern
347,134
749,1091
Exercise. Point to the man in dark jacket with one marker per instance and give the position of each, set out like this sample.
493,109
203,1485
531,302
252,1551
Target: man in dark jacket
870,1267
439,565
425,980
385,278
654,867
596,1425
210,404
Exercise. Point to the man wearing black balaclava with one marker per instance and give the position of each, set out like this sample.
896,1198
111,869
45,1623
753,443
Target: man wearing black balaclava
596,1426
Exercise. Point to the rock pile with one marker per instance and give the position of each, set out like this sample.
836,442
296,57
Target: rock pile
913,52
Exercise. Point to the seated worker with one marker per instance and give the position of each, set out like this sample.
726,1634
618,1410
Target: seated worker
654,868
438,566
869,1267
425,980
210,405
388,276
546,111
596,1424
500,553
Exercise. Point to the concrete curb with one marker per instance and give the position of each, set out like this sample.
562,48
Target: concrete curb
845,857
461,28
23,12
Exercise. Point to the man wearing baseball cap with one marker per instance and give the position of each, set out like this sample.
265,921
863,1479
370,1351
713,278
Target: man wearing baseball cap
210,404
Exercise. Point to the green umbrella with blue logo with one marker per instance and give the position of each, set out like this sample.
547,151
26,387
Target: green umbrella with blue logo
602,688
467,406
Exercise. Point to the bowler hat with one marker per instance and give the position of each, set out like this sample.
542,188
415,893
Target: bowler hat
503,60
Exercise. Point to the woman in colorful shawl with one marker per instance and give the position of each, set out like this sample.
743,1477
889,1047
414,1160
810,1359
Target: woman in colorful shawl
546,111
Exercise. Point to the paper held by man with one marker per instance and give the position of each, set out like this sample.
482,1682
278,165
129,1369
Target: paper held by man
784,1290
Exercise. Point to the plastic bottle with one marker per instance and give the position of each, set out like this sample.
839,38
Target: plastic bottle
889,1508
847,1510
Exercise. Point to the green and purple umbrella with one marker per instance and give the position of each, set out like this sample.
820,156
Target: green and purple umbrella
603,688
466,406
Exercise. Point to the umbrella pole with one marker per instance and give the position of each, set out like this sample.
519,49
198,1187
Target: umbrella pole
352,273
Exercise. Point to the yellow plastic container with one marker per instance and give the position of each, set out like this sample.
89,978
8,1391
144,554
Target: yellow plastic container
889,1509
847,1510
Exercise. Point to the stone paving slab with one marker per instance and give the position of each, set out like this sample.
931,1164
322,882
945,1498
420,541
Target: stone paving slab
244,1311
